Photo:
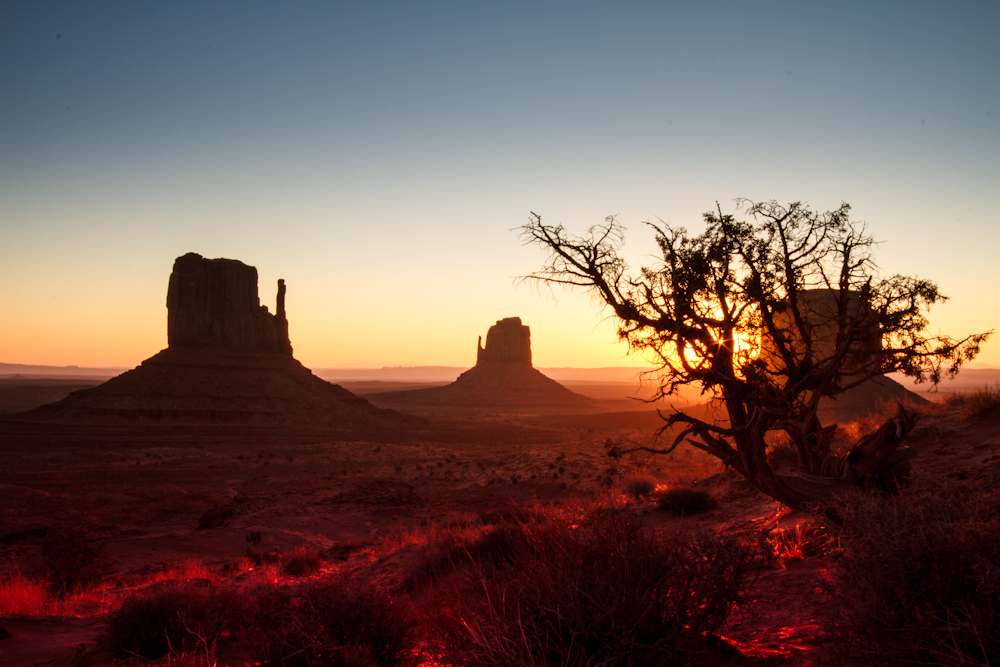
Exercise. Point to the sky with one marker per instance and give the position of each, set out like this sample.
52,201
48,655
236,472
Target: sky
379,156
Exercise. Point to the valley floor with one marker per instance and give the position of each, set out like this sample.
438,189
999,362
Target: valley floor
182,501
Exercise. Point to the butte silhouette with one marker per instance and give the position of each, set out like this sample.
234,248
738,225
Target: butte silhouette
503,380
819,308
227,359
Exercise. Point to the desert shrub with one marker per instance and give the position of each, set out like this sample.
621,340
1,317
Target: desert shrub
682,501
984,402
187,569
452,549
511,514
601,591
496,547
640,486
340,623
301,562
804,541
72,559
173,618
216,516
258,558
918,579
21,595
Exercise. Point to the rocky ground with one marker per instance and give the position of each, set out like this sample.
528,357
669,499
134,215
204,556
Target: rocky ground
167,496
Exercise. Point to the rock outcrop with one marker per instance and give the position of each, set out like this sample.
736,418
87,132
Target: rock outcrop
214,303
228,359
507,342
503,380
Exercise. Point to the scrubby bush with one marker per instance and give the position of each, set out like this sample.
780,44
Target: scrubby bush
640,486
452,549
21,595
301,562
73,559
511,513
600,590
340,623
919,582
984,402
174,618
216,516
682,501
804,541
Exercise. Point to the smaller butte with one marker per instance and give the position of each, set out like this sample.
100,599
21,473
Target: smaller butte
503,380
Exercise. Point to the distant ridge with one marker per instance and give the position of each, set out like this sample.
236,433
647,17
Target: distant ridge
451,373
29,370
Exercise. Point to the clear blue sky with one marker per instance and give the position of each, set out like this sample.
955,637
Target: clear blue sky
376,155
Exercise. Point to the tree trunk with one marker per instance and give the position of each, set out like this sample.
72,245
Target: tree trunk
857,470
753,452
874,449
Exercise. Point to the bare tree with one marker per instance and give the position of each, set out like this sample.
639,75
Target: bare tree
768,315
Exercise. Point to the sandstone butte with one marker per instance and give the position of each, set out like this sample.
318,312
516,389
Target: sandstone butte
503,379
228,359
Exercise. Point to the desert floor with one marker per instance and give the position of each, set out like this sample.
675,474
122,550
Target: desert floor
163,496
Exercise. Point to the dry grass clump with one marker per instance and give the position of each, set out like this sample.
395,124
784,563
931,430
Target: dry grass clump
511,513
451,549
683,501
73,559
301,562
334,623
337,623
172,619
22,595
980,404
599,589
639,486
919,580
802,542
187,569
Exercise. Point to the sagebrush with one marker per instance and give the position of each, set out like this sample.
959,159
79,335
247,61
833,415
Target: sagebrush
919,582
602,590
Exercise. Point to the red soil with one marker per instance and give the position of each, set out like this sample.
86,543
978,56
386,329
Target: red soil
142,487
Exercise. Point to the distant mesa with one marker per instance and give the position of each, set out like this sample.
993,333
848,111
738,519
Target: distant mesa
503,380
227,359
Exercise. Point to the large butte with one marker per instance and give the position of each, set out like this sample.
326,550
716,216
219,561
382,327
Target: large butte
228,359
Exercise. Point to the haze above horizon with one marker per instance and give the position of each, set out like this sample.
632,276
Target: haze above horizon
377,156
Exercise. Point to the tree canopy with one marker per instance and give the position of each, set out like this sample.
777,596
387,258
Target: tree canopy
768,314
